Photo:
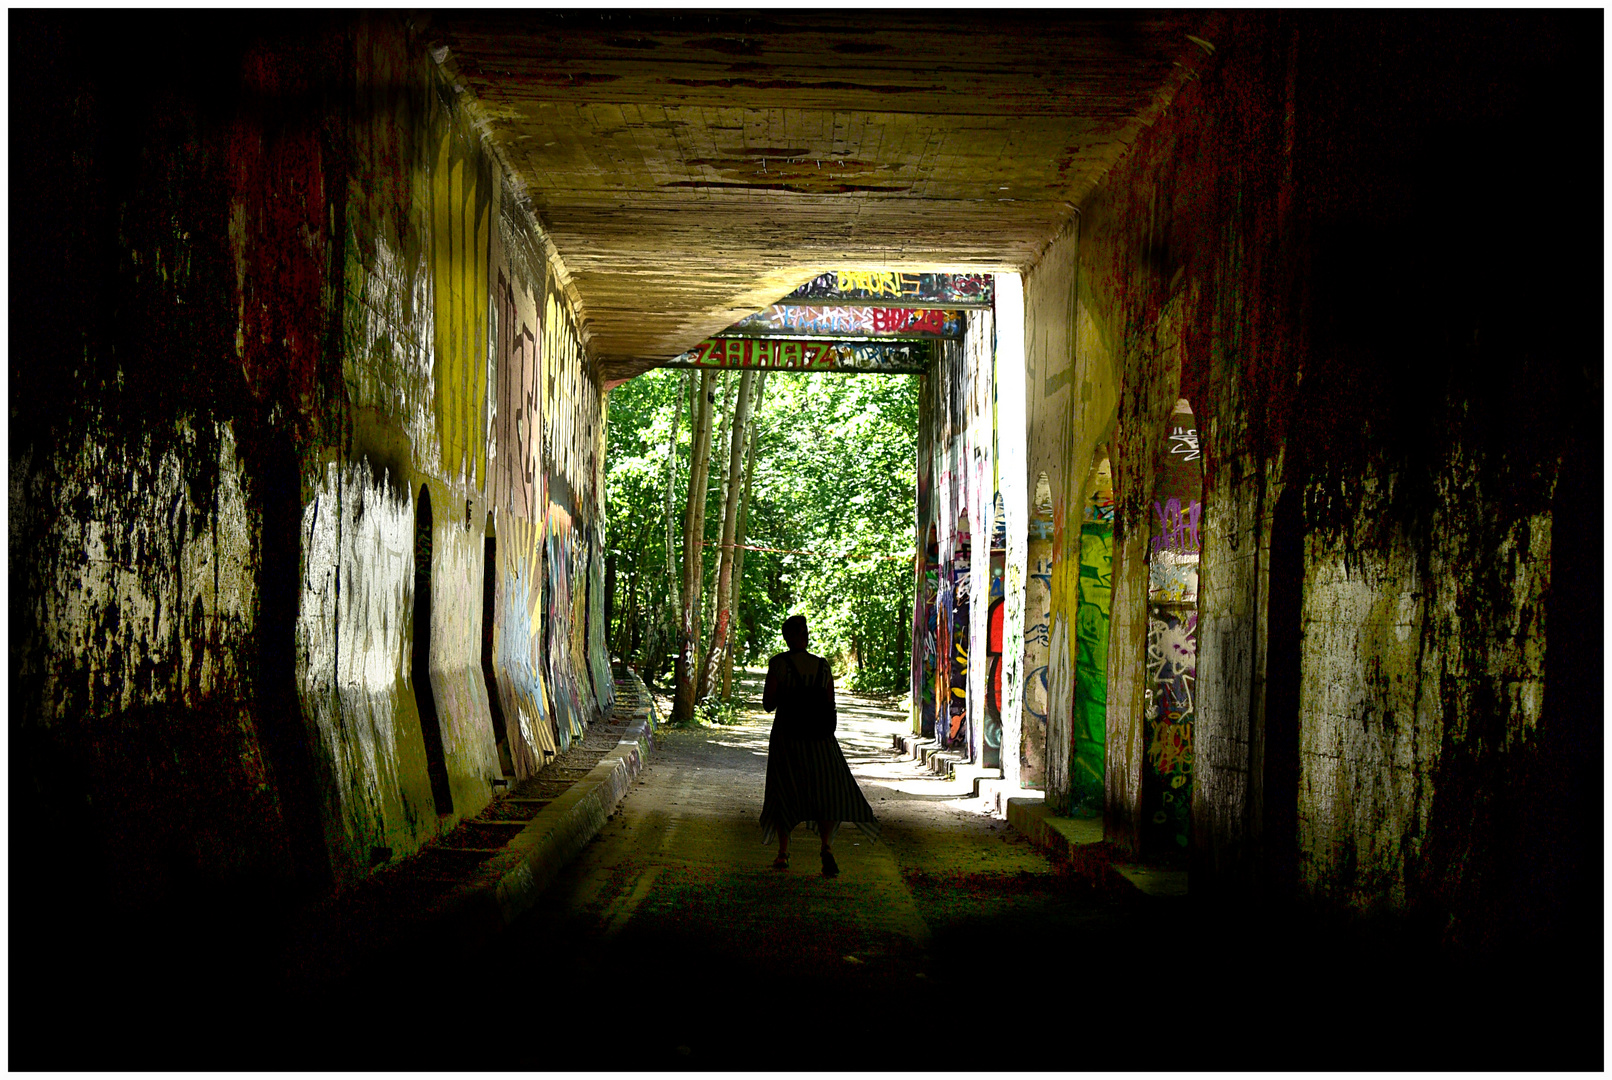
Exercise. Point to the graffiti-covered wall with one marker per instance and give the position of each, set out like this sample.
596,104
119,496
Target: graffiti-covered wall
1071,388
956,413
253,517
1375,708
1089,725
574,451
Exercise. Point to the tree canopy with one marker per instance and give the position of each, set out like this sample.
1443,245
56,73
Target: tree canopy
834,488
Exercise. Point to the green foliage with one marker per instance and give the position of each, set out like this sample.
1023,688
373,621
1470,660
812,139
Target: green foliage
716,710
637,451
835,476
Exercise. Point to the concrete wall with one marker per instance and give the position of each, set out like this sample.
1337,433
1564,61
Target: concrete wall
1072,391
1386,675
281,266
956,462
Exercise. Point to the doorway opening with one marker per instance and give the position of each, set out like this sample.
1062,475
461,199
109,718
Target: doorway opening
489,611
1037,636
1172,639
425,699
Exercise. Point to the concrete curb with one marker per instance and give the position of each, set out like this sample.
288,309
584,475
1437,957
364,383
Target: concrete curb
503,888
950,764
509,884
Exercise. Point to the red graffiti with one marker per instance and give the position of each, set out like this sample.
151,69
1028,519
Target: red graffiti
993,646
909,320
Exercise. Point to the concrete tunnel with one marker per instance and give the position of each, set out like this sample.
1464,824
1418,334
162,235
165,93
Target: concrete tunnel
1288,398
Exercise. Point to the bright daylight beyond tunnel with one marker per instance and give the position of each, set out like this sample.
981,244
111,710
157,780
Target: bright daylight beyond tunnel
823,513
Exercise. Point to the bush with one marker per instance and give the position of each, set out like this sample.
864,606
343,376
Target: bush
720,711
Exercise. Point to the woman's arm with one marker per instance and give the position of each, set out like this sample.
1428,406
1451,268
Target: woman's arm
769,691
833,711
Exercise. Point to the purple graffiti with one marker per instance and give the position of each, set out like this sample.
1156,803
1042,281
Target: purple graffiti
1178,527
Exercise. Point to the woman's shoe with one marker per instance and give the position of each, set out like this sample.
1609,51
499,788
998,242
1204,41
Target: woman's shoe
781,863
830,867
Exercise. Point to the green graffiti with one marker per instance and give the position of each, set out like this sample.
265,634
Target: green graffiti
1091,668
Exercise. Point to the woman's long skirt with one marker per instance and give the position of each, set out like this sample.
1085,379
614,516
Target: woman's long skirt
809,781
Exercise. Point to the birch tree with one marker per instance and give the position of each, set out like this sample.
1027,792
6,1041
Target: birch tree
711,663
693,541
741,532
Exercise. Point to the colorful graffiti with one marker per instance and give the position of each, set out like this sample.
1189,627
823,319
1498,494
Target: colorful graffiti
1172,646
1037,637
991,753
1100,493
782,320
894,287
1090,721
957,691
461,215
890,358
1173,580
573,436
565,626
1172,665
1177,525
930,651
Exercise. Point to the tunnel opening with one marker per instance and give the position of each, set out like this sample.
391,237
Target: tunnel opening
425,698
809,500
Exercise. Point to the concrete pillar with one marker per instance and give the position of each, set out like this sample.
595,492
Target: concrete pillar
1011,470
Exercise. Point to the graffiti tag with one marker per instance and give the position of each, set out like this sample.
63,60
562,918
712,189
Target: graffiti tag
894,287
1184,441
1178,526
863,321
773,354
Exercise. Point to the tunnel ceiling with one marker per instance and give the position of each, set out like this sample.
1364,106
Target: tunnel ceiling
690,169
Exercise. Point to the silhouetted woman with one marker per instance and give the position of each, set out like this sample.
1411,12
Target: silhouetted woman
807,777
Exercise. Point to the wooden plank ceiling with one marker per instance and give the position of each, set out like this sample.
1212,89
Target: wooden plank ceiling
690,169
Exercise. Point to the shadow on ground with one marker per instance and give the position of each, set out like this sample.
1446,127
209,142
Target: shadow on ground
669,944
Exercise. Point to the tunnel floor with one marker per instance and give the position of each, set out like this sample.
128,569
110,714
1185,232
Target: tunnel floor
949,943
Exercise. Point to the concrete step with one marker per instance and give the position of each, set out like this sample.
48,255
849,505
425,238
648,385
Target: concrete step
1078,843
996,792
912,745
1154,880
974,775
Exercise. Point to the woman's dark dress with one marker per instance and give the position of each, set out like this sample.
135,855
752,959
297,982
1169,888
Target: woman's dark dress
807,777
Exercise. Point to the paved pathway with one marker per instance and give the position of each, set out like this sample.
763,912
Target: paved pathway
730,960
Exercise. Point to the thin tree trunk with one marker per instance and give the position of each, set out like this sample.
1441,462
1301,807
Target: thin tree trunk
671,482
711,665
742,531
669,597
724,415
621,631
693,540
